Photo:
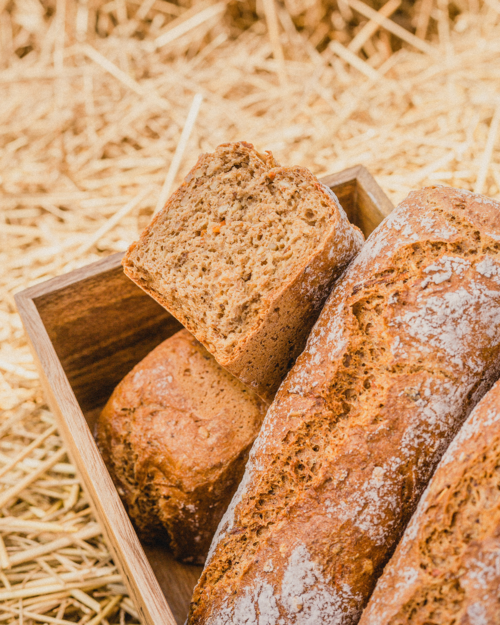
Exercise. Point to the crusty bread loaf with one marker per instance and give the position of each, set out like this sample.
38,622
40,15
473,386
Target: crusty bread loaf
244,255
446,569
407,343
175,437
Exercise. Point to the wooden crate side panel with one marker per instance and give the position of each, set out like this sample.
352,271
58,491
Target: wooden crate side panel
100,327
106,503
361,197
373,205
344,185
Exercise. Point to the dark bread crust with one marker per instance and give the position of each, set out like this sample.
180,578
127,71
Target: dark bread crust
446,569
407,343
175,436
264,353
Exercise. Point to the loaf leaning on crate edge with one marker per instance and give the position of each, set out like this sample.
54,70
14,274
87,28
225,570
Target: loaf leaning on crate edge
406,344
244,254
175,436
446,569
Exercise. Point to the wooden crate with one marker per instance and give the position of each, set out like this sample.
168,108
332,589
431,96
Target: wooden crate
87,329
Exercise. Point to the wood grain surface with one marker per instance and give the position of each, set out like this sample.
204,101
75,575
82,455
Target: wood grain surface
87,329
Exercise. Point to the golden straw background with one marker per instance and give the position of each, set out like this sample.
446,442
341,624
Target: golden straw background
104,106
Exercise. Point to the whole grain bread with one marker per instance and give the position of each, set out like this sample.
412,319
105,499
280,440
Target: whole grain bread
407,343
175,436
244,255
446,569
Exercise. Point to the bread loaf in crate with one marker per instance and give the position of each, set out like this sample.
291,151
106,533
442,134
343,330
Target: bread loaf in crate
244,255
406,345
446,569
175,436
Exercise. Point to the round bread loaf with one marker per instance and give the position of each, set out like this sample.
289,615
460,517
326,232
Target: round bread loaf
175,436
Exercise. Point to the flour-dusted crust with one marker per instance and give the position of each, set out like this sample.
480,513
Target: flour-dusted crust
446,569
175,436
244,254
408,342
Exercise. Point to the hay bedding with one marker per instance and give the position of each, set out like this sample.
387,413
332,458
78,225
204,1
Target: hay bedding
105,106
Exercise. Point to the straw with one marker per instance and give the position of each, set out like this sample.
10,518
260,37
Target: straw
354,61
110,606
115,219
84,598
37,617
46,589
392,27
90,531
179,151
488,151
7,366
423,18
12,492
94,115
4,556
26,452
274,36
123,77
23,525
371,27
178,30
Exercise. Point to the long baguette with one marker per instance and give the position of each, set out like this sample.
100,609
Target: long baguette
446,568
406,345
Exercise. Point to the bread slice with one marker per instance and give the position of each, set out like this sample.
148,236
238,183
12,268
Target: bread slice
446,568
244,255
405,346
175,436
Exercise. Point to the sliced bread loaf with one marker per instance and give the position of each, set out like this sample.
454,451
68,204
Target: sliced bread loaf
244,255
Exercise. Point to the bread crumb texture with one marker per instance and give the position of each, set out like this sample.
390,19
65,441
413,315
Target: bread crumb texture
175,436
406,345
446,569
244,255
